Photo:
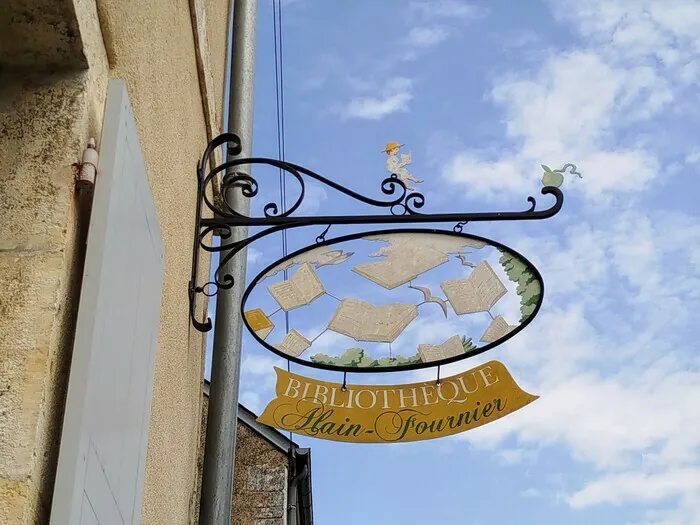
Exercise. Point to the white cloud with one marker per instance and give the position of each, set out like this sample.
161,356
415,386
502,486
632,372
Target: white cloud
422,37
583,104
314,196
451,9
432,23
638,486
486,178
437,20
668,31
252,401
516,456
329,343
258,376
393,97
693,157
612,353
255,365
612,359
531,493
567,112
253,255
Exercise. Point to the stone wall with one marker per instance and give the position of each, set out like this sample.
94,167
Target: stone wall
260,479
42,234
56,57
260,483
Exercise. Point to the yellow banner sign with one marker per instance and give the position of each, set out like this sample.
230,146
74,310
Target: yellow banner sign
394,413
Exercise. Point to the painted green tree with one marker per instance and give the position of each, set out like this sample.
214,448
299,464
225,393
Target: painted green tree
356,357
529,288
351,357
397,361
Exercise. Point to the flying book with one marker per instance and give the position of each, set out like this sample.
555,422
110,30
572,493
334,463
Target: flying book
365,322
498,328
259,322
403,264
293,343
301,289
477,293
450,348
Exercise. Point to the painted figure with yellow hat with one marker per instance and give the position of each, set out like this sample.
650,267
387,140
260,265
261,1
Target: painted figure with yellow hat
397,165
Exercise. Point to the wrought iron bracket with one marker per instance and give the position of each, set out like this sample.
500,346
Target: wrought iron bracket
218,216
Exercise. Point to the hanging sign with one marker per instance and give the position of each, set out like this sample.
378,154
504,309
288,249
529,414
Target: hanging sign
361,302
394,413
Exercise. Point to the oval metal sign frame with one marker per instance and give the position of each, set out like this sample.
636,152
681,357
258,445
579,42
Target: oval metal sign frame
397,368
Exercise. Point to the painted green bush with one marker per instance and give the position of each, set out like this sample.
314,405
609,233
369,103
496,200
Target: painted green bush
467,344
356,357
529,288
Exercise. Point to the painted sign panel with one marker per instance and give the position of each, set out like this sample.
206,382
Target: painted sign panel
394,413
392,300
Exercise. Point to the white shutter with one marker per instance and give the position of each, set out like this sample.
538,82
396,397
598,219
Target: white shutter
105,428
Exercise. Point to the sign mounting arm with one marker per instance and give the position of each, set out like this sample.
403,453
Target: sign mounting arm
403,205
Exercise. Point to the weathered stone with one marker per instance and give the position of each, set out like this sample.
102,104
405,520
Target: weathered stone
13,501
264,499
269,512
265,479
270,521
40,35
36,152
54,66
30,285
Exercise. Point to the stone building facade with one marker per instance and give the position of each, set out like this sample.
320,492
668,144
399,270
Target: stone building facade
56,58
272,478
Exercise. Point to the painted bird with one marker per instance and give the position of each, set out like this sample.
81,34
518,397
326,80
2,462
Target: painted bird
464,260
428,297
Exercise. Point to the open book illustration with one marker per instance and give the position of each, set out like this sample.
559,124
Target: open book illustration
478,292
373,288
450,348
301,289
442,243
365,322
498,328
401,265
293,343
259,322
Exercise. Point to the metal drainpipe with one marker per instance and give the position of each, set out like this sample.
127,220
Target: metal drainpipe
292,513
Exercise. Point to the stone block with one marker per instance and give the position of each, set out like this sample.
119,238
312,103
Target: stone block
269,512
262,499
265,478
13,500
270,521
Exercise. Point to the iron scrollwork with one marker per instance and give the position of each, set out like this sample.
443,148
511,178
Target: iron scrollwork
222,218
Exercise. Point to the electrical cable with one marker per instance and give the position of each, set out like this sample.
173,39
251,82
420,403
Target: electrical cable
279,93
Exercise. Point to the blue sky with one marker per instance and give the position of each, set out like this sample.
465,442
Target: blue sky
483,93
